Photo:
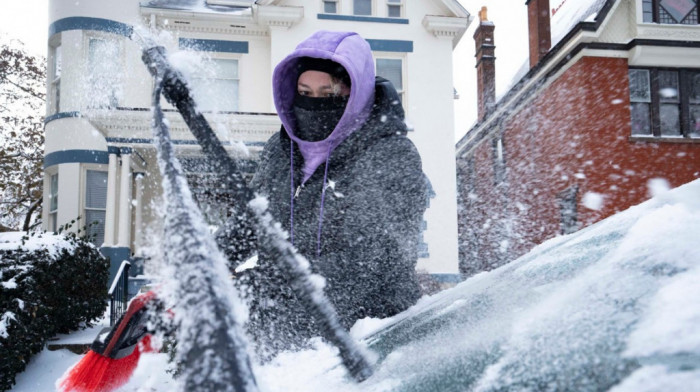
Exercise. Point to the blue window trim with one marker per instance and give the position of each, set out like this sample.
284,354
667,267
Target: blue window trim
177,141
354,18
390,45
86,23
61,115
214,45
76,156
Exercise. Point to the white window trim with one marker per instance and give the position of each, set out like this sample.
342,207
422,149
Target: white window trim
402,6
338,6
51,215
54,104
83,197
121,61
231,56
372,8
403,93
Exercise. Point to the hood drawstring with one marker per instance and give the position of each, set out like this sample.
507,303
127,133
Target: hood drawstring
323,202
291,200
293,195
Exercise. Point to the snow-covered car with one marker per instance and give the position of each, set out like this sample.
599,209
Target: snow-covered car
615,306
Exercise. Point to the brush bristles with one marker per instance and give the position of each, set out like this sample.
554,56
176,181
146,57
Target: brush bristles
97,373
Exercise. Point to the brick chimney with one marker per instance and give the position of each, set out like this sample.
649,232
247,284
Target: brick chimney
485,65
539,29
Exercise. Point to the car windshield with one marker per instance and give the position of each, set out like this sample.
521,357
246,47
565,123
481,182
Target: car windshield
612,307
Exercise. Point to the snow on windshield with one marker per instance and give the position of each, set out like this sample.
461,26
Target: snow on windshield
615,305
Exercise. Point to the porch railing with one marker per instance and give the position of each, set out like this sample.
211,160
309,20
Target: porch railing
119,293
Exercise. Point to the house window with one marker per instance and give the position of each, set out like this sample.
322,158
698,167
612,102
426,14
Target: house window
670,11
362,7
95,205
53,202
219,91
103,72
665,102
392,70
330,6
394,8
56,80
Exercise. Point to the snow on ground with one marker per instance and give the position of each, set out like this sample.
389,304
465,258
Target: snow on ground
44,369
613,307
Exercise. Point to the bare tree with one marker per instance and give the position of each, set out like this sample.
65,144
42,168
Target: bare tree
22,108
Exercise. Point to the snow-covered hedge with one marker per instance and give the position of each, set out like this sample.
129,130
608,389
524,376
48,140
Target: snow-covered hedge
49,284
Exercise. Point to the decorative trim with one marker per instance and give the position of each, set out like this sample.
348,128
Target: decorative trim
214,45
61,115
387,45
445,26
85,23
354,18
274,16
76,156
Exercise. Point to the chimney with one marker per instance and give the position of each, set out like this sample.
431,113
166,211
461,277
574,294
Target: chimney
485,65
539,30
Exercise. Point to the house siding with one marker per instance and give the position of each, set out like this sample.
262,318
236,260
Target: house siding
574,134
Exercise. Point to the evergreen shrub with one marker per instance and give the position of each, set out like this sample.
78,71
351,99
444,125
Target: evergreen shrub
49,284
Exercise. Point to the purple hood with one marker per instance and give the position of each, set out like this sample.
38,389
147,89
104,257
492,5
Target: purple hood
354,54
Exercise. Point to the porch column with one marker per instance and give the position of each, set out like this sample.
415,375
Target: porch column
125,203
111,209
138,214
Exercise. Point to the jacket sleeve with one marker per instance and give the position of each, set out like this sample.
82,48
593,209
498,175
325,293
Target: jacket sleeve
373,262
237,238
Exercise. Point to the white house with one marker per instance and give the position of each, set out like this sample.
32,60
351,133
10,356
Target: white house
99,158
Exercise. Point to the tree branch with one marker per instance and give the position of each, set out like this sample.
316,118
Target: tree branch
28,217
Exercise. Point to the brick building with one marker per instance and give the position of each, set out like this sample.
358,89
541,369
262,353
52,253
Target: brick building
611,102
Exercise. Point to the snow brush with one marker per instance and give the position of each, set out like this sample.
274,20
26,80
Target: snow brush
114,354
270,235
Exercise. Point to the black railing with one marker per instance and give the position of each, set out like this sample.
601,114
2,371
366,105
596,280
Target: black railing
119,293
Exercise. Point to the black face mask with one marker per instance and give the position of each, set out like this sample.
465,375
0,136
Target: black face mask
317,117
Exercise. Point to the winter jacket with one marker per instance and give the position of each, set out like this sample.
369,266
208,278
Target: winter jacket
361,234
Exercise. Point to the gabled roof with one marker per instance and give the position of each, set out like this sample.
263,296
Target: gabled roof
588,17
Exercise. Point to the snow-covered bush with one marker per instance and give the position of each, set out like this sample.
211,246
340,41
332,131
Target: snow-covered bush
49,284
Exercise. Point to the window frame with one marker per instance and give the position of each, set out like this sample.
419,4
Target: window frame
213,56
655,102
119,63
656,15
337,7
83,198
53,197
395,3
55,80
371,9
403,92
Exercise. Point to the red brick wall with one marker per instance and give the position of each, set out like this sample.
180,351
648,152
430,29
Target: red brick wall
574,133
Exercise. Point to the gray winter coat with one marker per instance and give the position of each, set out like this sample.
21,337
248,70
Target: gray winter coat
370,229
